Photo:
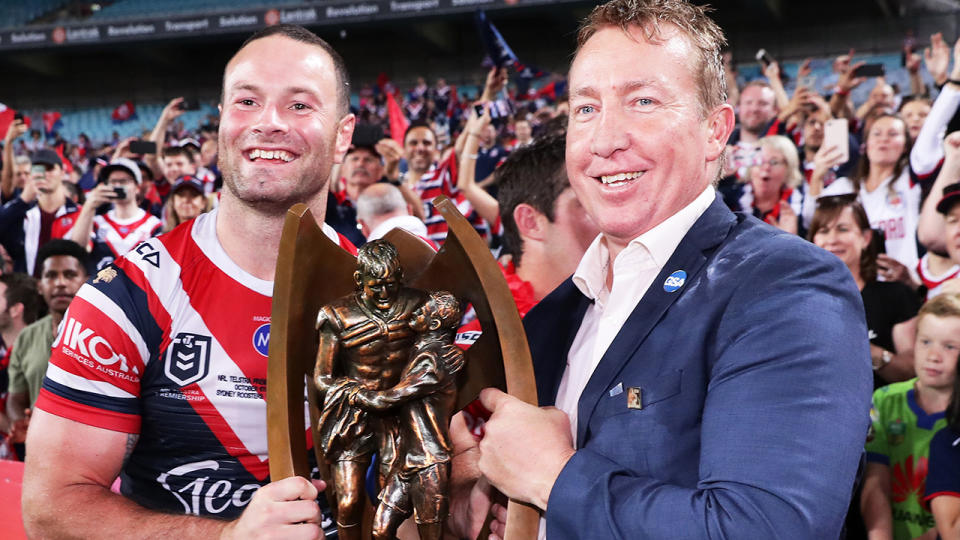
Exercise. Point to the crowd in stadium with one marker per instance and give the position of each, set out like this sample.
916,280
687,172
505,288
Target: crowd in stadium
876,183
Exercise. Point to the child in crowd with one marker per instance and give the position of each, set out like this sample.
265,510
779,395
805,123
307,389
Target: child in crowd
905,417
942,495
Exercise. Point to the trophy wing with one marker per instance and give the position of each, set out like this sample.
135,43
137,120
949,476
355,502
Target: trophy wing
312,271
465,267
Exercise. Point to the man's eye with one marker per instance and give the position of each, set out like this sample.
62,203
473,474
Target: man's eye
300,107
247,102
586,109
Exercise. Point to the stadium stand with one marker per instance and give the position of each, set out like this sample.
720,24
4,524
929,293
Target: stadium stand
139,8
22,13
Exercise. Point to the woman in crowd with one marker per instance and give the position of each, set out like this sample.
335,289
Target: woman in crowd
840,226
773,194
186,202
942,495
882,185
905,417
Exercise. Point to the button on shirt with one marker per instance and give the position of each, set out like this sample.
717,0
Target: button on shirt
634,270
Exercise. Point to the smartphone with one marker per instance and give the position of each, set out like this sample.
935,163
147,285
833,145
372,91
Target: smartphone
119,193
478,108
18,116
38,171
189,105
870,70
143,147
836,133
764,58
807,81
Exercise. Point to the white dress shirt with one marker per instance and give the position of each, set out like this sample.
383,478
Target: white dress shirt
634,270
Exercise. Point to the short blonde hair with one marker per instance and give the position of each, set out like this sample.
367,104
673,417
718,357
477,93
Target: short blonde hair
941,305
692,20
786,147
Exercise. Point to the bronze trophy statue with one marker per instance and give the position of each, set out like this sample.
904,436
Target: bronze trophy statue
382,374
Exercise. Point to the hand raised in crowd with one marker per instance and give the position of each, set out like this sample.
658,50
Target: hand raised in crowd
772,72
826,158
842,62
172,110
801,96
282,509
848,81
16,129
496,80
391,151
892,270
937,58
123,148
18,430
100,194
787,221
817,100
913,62
29,192
804,70
951,151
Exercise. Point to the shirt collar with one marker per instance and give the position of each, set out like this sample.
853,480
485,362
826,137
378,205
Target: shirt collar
659,242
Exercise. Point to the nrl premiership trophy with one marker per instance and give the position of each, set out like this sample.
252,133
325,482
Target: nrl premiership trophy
372,340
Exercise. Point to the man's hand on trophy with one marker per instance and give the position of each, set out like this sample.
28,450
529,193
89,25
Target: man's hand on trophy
469,491
524,447
283,509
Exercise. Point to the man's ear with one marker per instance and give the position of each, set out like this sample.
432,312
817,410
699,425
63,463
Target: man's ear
720,124
344,136
15,310
530,222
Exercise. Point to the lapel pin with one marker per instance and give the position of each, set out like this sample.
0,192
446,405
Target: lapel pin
616,390
634,398
674,281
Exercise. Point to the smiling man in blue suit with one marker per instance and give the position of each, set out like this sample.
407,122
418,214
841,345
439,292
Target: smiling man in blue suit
711,375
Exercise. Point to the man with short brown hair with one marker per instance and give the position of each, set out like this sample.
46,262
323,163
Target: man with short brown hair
696,395
160,370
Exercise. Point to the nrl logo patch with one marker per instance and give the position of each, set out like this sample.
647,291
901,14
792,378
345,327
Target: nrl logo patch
188,358
106,275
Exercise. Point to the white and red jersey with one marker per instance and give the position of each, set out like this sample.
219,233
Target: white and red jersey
893,207
170,343
934,283
441,179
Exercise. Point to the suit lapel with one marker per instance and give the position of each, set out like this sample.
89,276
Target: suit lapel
566,307
707,232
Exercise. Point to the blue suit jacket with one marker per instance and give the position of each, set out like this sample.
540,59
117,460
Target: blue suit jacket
755,386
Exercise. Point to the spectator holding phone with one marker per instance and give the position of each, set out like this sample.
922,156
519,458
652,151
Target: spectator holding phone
29,220
774,193
16,169
112,234
882,184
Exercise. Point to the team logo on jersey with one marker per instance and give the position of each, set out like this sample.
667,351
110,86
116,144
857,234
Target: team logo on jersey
261,339
894,199
188,358
896,432
106,275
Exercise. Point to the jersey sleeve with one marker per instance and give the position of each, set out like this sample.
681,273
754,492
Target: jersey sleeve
943,476
877,450
99,356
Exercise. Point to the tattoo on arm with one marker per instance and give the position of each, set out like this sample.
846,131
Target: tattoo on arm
131,444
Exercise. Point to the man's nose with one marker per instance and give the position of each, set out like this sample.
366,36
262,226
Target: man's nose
270,120
609,135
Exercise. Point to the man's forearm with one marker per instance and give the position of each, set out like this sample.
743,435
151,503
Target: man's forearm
83,228
17,403
66,514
